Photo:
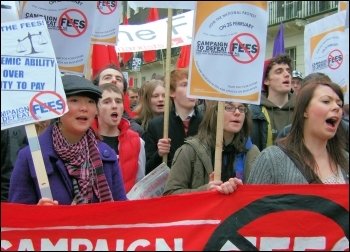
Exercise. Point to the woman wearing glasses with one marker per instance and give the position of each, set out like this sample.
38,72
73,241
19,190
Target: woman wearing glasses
193,164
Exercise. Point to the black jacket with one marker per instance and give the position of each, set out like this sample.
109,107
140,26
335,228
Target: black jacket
176,134
12,140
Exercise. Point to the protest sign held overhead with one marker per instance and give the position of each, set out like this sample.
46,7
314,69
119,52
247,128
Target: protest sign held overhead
31,85
106,25
231,36
151,36
70,25
326,49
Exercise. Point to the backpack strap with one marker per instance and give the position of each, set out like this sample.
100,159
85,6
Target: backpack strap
202,153
269,141
300,167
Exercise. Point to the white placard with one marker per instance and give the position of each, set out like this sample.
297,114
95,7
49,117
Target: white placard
152,36
70,24
31,84
326,49
106,24
228,51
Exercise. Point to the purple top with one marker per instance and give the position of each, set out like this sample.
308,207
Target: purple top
24,186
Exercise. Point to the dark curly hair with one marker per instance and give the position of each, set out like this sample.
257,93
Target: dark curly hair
96,78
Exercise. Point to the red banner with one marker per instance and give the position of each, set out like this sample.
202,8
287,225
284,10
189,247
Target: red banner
150,56
303,217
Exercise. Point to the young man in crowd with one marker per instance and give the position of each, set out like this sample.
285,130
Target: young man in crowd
133,97
184,119
277,105
115,131
113,74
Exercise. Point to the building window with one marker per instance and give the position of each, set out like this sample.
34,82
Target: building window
292,52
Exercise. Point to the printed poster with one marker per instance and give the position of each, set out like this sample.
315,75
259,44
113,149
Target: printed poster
31,84
152,35
228,51
326,49
106,23
70,24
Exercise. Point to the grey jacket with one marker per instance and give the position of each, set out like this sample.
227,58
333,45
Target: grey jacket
273,166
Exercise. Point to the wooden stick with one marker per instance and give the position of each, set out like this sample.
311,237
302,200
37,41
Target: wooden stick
218,142
88,69
167,79
38,161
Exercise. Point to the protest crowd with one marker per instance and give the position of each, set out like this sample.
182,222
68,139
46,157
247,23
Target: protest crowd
250,139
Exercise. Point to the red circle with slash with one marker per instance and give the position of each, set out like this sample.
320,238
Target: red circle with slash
335,59
104,7
68,16
41,99
239,40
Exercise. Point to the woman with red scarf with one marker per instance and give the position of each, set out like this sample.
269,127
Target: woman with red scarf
80,168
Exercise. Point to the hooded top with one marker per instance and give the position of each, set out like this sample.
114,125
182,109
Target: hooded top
279,117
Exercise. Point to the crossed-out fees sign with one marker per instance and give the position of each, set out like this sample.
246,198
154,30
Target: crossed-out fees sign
31,84
230,35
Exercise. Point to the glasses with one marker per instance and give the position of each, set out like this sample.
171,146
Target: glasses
231,108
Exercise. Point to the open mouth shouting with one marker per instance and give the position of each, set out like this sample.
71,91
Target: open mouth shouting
114,116
332,123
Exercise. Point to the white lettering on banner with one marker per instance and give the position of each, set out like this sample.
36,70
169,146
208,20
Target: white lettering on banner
162,244
88,245
150,36
298,243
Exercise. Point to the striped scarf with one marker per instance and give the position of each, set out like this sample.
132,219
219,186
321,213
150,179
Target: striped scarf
84,164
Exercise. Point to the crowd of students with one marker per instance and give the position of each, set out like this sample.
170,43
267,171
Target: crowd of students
112,137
